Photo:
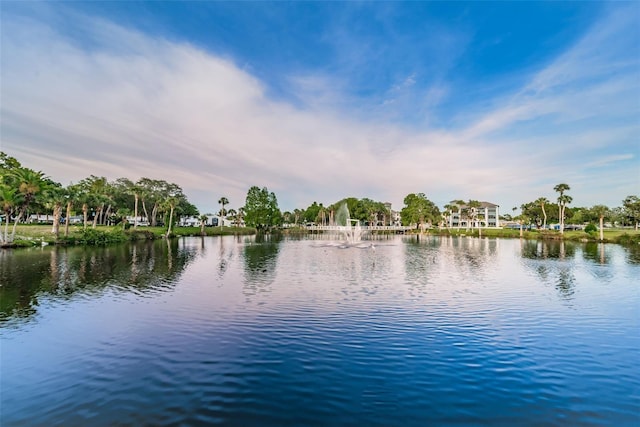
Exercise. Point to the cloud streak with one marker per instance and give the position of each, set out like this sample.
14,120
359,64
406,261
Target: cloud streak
126,104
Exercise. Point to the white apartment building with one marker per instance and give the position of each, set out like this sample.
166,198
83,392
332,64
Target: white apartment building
394,218
485,216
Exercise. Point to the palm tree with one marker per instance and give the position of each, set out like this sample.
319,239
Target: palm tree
144,192
171,203
70,196
449,209
632,209
601,211
9,200
297,214
563,200
232,214
523,218
473,206
135,191
129,188
240,216
123,213
322,214
100,200
541,201
80,194
203,221
98,189
223,201
29,183
56,197
514,209
458,208
286,217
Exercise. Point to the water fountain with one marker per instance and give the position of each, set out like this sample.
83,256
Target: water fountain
349,228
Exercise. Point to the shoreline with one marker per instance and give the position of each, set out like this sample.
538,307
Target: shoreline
37,235
624,237
33,235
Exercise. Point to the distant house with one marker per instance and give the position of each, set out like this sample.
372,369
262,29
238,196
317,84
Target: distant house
567,227
141,221
394,218
78,219
211,221
190,221
39,219
486,216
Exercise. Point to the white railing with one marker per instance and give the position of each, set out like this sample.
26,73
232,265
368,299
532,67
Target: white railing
362,227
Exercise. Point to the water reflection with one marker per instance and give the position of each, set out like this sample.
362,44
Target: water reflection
434,332
30,274
633,254
421,256
547,249
260,256
225,255
461,262
476,255
595,252
565,283
559,274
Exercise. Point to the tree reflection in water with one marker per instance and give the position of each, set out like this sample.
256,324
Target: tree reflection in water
462,260
560,273
57,272
548,249
633,254
595,252
260,256
422,255
225,253
599,254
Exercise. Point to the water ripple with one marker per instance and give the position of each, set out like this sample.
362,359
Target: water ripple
435,332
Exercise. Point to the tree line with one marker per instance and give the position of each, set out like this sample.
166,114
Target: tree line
24,191
541,212
421,212
364,210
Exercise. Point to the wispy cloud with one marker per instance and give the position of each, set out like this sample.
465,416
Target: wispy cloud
609,160
121,103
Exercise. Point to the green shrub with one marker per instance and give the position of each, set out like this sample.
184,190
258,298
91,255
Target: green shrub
628,239
66,240
20,243
590,228
95,237
135,234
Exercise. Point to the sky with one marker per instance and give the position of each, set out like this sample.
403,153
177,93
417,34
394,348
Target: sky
318,101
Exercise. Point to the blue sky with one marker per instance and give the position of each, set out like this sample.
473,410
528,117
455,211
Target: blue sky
324,100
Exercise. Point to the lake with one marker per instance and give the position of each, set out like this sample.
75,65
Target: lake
268,332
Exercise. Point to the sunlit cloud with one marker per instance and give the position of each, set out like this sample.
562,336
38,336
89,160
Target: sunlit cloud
123,103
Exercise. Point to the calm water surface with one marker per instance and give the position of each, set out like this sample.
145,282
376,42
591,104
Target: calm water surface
240,332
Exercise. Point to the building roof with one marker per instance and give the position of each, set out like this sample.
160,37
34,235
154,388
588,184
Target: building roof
482,205
488,205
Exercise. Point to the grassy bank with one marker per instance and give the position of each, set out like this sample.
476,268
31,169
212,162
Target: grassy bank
621,236
34,235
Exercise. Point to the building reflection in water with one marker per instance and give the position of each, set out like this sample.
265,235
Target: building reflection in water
459,261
